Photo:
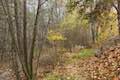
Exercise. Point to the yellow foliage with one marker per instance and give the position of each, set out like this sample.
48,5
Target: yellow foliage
74,19
106,20
53,36
109,27
70,20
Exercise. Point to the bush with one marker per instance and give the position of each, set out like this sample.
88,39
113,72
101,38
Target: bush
84,53
52,77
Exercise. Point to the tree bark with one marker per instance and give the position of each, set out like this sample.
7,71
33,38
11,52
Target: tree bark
118,13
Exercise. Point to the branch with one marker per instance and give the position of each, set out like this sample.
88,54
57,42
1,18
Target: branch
43,41
18,31
115,7
10,24
43,2
9,20
34,34
25,37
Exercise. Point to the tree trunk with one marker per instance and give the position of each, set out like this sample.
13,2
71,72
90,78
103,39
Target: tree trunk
118,13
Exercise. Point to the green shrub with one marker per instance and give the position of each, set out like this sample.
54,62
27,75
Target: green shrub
52,77
84,53
58,77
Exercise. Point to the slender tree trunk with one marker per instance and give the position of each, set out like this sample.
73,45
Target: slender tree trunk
118,13
25,38
92,33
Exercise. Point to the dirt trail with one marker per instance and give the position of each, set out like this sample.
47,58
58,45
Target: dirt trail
76,68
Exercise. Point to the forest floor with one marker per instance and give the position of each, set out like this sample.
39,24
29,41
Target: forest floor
77,66
88,67
72,68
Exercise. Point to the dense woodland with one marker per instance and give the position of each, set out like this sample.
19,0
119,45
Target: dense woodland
59,39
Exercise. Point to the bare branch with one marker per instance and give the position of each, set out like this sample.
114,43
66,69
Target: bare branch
34,34
115,7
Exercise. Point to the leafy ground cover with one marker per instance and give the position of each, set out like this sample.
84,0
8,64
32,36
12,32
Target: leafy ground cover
84,66
107,67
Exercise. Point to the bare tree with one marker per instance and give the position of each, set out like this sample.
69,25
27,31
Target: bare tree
19,36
